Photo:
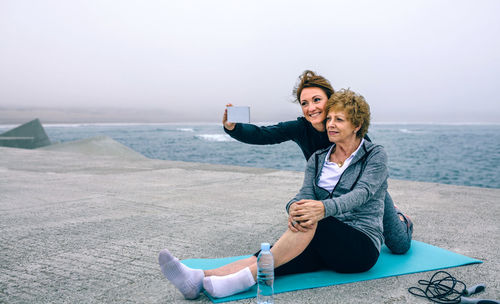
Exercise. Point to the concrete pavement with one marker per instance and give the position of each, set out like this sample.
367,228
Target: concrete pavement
84,222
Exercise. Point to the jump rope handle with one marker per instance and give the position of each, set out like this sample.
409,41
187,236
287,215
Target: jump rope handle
465,300
474,289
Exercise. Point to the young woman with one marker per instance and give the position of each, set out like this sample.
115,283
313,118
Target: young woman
312,93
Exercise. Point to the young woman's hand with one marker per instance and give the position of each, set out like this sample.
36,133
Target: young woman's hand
306,213
228,125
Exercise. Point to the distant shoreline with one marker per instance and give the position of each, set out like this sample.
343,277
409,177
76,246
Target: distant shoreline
145,116
87,115
82,124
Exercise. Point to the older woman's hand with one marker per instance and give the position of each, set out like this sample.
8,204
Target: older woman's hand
306,213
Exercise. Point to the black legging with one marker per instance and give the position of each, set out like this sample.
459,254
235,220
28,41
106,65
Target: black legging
335,246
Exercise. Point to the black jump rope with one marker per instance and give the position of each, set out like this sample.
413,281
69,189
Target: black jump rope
444,288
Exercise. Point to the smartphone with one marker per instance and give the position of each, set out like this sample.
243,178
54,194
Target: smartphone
238,114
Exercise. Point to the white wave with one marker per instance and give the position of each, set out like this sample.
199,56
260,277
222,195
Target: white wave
411,131
185,129
215,137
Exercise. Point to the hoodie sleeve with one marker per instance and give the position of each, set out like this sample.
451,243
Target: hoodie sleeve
265,135
307,190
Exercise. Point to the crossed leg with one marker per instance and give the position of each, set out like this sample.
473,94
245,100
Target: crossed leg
234,277
288,246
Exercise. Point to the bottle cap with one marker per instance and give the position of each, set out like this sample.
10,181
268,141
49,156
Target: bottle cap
265,246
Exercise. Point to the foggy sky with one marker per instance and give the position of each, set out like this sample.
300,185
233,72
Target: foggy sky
414,61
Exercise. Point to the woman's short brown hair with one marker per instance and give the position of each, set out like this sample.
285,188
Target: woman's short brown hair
309,79
355,107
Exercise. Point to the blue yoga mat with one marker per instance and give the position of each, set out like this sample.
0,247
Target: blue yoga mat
421,257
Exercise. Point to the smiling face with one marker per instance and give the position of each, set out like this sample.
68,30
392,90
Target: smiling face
339,127
313,101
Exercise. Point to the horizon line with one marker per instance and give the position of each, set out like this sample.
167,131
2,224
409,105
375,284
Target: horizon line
79,124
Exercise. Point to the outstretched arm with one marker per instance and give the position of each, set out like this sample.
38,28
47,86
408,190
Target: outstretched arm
261,135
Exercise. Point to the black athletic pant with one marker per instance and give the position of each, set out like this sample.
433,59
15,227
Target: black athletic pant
335,246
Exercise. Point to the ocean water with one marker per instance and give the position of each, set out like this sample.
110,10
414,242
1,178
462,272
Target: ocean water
450,154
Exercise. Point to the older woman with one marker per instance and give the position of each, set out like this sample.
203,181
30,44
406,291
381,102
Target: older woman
335,221
312,93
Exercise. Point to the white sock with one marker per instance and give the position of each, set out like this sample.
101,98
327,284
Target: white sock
189,281
223,286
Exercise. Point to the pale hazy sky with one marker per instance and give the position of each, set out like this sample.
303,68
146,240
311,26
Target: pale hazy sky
414,61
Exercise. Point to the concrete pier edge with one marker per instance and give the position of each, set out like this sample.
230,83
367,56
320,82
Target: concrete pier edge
82,225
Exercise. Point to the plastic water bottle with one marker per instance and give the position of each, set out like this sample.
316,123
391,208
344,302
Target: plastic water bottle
265,275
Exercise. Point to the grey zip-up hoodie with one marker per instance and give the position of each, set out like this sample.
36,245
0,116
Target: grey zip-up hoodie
358,198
